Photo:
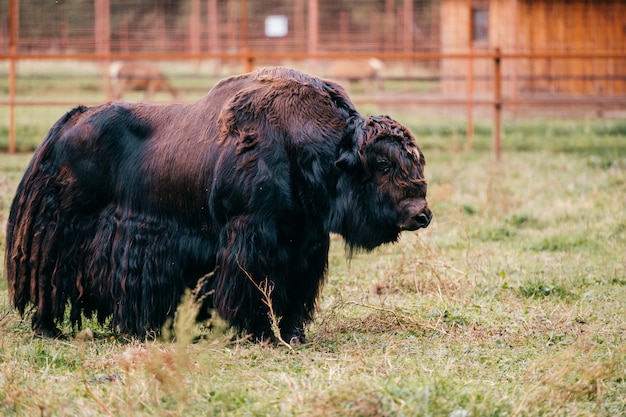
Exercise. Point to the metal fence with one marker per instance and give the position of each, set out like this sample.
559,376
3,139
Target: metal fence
474,58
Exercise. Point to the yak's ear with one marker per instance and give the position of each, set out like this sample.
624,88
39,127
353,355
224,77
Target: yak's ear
228,119
243,106
349,155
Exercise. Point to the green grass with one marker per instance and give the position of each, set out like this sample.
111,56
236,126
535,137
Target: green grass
512,303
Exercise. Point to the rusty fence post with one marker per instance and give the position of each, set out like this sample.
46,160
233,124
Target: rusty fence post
102,38
248,59
497,103
13,22
470,79
313,32
11,103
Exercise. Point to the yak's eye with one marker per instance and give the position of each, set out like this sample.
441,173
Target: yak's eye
383,164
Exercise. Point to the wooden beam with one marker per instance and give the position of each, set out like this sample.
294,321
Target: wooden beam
13,31
470,77
497,107
212,25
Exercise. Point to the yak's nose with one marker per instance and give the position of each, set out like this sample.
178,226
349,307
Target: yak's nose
415,214
417,220
423,219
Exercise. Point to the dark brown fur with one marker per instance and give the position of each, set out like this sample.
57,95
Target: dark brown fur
125,206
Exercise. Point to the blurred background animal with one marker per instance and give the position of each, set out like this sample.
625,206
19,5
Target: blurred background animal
365,71
139,76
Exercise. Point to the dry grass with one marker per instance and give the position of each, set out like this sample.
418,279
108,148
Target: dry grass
513,303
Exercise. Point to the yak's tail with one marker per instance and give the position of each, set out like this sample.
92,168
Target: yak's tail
36,231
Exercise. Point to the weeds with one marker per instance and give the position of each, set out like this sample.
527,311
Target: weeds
577,374
537,288
512,303
266,288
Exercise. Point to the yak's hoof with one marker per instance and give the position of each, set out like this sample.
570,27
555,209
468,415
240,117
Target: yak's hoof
47,331
295,337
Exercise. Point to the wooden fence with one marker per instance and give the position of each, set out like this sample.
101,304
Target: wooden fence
490,95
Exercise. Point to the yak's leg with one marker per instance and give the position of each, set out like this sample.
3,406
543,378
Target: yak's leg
44,238
49,308
308,264
44,326
259,264
247,276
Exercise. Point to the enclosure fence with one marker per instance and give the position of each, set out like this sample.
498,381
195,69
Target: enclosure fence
477,58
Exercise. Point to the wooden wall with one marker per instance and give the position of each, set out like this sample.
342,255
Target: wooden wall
455,37
455,20
573,26
539,26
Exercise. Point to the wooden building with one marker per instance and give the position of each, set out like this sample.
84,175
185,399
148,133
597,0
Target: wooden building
535,27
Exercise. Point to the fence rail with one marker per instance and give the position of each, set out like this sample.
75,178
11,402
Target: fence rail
499,74
497,101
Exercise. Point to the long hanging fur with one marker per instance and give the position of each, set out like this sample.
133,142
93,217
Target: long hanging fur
126,206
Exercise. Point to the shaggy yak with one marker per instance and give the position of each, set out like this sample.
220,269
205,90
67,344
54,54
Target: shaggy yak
124,207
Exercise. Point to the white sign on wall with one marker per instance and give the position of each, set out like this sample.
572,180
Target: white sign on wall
276,26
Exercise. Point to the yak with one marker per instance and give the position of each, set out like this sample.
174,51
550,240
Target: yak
126,206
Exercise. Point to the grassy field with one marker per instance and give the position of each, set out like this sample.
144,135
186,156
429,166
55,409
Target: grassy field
512,303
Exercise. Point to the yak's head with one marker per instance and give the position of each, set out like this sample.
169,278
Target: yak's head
381,190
